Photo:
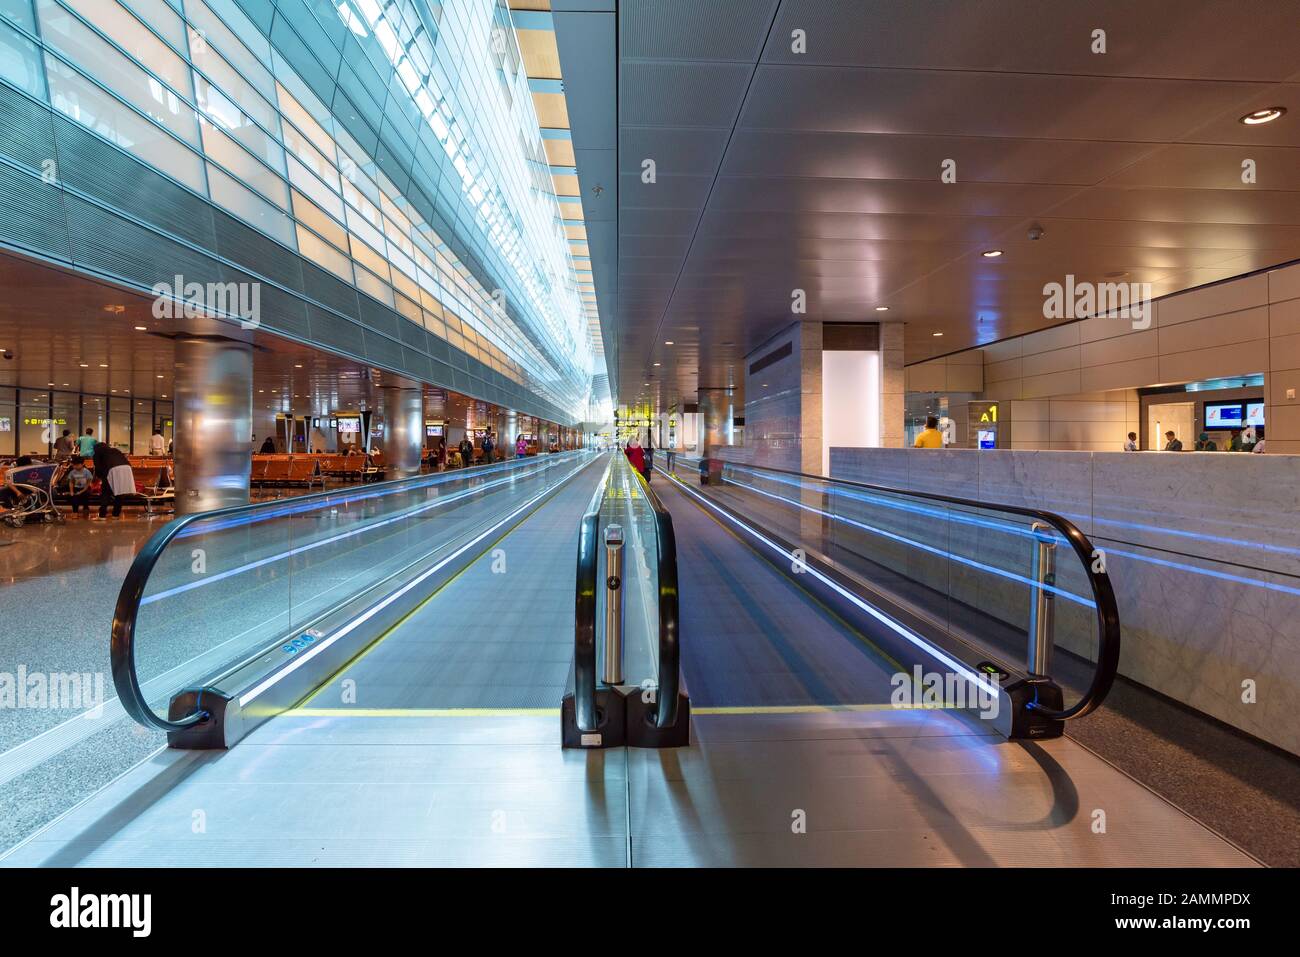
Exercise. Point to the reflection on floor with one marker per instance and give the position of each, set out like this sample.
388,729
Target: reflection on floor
884,788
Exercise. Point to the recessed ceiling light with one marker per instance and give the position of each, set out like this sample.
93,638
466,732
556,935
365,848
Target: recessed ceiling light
668,342
991,253
84,365
936,334
141,328
158,377
103,365
882,309
1266,115
656,363
298,366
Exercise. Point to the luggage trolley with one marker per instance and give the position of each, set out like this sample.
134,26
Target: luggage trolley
37,483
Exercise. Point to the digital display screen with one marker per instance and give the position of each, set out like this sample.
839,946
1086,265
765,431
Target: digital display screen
988,439
1223,415
1254,413
6,424
433,431
349,426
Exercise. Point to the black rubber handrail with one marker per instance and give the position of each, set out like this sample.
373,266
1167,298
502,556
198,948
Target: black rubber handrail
1108,627
669,678
126,681
584,636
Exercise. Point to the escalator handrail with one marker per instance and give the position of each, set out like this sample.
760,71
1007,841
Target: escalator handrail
584,633
1103,593
122,663
668,681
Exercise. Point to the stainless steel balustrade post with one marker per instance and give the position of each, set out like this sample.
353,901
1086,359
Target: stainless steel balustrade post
614,605
1042,601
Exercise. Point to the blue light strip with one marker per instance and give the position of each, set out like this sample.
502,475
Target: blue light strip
261,562
216,525
1078,599
957,667
375,609
1014,530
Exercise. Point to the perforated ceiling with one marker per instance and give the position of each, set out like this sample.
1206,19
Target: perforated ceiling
820,170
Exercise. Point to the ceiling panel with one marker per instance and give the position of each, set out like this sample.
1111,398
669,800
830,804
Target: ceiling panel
1224,39
820,170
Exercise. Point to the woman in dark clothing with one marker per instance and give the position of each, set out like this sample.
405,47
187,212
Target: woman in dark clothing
115,477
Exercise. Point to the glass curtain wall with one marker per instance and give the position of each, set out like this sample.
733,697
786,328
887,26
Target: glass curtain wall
196,89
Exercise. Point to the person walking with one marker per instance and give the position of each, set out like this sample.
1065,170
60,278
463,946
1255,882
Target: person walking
930,437
466,449
86,444
521,447
488,446
635,454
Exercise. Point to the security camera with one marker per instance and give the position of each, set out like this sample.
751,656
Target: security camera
1036,232
8,354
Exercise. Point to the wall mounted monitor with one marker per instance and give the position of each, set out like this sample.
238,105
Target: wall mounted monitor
1254,413
349,426
1223,415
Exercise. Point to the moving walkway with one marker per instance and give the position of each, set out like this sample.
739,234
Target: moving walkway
390,665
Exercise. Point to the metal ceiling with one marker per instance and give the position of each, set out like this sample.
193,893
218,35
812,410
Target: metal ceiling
63,331
820,170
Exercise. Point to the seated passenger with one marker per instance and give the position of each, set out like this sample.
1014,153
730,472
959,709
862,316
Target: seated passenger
930,437
1259,440
11,496
1131,443
1172,443
79,478
1205,444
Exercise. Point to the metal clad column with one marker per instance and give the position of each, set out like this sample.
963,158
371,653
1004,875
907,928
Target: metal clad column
214,423
403,405
716,406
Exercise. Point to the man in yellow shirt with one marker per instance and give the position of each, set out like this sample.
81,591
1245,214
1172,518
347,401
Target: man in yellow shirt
930,437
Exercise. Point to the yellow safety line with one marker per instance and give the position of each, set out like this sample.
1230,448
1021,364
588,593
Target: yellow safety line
816,708
380,639
554,712
419,712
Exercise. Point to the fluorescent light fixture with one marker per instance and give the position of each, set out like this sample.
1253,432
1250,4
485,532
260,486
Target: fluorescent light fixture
991,253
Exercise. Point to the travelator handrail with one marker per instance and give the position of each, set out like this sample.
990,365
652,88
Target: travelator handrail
584,635
1107,611
668,681
122,658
